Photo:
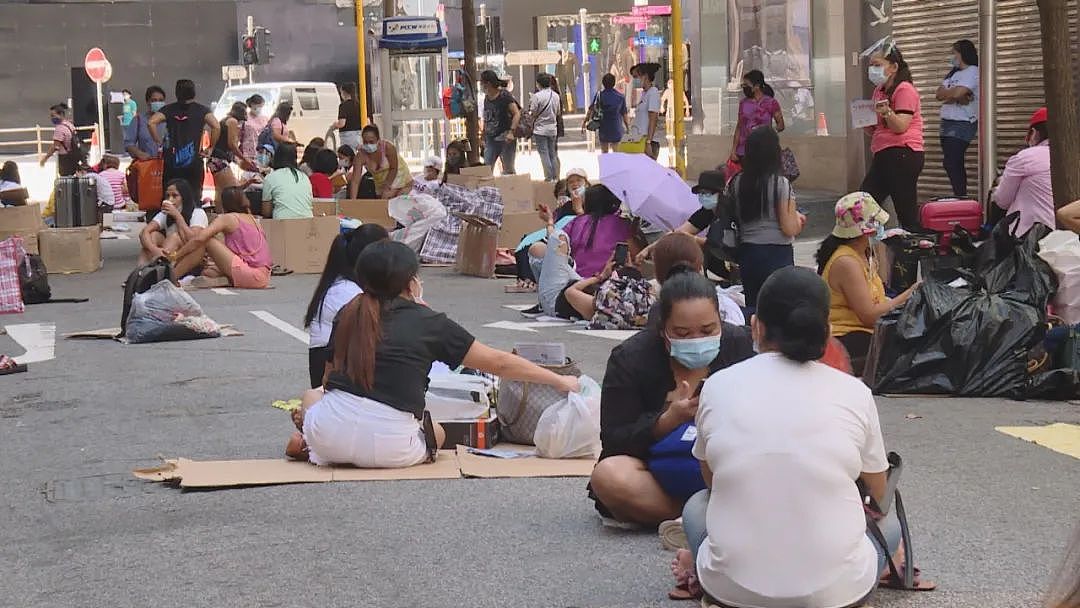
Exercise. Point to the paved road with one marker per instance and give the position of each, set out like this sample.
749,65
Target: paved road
991,512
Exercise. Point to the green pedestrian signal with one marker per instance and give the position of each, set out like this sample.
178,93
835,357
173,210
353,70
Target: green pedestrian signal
594,45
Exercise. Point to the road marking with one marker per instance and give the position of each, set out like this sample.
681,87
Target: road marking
530,326
38,339
609,334
1060,437
518,307
221,291
270,319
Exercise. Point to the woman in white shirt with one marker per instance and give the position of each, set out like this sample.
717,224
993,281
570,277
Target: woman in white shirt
337,287
783,440
647,113
172,227
959,97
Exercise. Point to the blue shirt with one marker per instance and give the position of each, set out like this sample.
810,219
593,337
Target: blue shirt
138,134
613,105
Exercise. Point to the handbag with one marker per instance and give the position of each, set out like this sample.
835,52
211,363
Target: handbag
789,167
725,235
899,577
520,404
631,146
597,114
144,181
11,252
528,123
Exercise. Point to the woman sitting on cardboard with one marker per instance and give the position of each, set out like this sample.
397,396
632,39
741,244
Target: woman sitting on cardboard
286,192
650,390
242,256
382,348
178,222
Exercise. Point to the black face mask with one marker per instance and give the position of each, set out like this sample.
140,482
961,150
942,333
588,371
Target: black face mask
748,91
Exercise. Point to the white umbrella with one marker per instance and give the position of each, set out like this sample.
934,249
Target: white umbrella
652,192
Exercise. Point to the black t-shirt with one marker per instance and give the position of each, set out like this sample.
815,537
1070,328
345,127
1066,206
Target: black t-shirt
350,111
184,126
497,117
413,337
702,218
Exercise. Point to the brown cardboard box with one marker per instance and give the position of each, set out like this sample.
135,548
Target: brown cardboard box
324,206
369,211
70,250
516,190
544,194
476,246
481,433
517,225
301,245
479,171
24,221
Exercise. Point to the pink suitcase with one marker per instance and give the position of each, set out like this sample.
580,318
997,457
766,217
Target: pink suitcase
942,216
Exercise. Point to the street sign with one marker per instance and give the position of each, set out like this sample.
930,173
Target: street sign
537,57
233,72
97,66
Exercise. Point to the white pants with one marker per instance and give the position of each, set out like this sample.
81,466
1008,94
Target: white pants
342,428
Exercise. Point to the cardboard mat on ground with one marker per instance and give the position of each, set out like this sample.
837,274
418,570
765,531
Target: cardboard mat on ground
109,333
1059,437
450,464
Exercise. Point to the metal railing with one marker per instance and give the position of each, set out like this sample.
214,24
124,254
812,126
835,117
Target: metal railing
38,142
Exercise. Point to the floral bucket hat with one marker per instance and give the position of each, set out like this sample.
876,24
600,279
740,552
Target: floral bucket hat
858,214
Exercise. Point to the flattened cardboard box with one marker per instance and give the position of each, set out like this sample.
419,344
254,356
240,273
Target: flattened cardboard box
70,250
301,244
517,225
369,211
324,206
24,221
477,242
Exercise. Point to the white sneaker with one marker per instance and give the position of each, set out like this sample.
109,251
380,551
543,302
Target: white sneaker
672,535
611,522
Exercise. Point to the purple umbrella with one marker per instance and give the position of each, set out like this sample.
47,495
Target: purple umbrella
652,192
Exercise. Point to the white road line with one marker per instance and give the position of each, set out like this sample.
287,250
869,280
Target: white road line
518,307
608,334
270,319
221,291
38,339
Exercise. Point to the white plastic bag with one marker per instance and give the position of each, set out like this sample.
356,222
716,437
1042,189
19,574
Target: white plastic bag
1061,250
571,427
418,213
165,313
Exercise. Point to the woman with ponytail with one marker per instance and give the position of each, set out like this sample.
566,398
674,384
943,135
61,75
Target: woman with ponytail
337,287
896,141
782,441
380,352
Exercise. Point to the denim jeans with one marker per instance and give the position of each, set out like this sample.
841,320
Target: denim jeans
757,263
547,146
956,136
695,510
496,149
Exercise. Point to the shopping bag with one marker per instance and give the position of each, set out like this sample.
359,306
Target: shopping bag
522,403
166,313
418,214
144,183
631,146
11,253
571,427
1061,250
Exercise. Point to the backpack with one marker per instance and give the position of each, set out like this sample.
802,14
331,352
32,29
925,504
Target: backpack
463,97
724,235
34,280
266,137
78,151
141,280
623,302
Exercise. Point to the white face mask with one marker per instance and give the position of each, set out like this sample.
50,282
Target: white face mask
370,148
876,74
418,291
578,192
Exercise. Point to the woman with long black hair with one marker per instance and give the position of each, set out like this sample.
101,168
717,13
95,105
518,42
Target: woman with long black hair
897,138
286,192
765,206
757,108
174,226
959,97
279,125
337,286
381,350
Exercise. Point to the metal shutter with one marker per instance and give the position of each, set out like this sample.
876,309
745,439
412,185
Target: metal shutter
925,31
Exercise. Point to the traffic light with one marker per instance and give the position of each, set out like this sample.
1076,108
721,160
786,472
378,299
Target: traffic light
594,46
262,45
247,50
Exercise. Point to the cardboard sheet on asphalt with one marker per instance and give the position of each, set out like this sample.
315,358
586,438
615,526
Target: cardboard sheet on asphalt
227,331
237,473
475,465
1060,437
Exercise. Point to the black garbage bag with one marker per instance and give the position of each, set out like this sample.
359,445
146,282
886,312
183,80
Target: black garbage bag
959,341
1055,385
1006,263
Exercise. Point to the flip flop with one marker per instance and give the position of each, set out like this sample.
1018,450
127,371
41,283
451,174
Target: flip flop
515,288
279,271
888,582
9,366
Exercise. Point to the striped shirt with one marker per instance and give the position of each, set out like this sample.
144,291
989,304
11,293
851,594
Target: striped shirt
116,181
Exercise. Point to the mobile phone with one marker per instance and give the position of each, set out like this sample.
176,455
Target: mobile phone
697,391
622,254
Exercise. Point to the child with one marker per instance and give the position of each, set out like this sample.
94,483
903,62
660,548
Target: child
110,172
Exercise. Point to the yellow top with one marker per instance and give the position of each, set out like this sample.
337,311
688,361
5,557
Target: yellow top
841,316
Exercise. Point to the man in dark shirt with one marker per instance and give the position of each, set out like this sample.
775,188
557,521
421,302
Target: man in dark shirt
348,121
501,116
184,121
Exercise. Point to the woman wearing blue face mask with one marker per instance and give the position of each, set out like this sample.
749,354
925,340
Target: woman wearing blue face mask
845,261
650,390
137,140
647,113
64,135
710,185
385,164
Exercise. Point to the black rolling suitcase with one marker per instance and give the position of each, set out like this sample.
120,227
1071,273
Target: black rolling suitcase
76,202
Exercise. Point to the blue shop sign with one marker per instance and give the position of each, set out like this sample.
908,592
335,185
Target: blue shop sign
412,33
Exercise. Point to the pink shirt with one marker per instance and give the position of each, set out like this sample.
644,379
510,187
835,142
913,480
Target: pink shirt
611,230
754,113
1025,187
249,244
250,134
63,134
905,100
116,181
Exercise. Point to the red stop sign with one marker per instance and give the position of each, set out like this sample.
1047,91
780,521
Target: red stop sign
96,65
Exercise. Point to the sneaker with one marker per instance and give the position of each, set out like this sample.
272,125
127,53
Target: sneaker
611,522
672,535
532,313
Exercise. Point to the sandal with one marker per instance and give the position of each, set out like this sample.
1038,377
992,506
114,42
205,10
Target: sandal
520,287
687,586
918,584
9,366
279,271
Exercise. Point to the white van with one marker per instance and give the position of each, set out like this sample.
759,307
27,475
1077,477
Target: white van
315,106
